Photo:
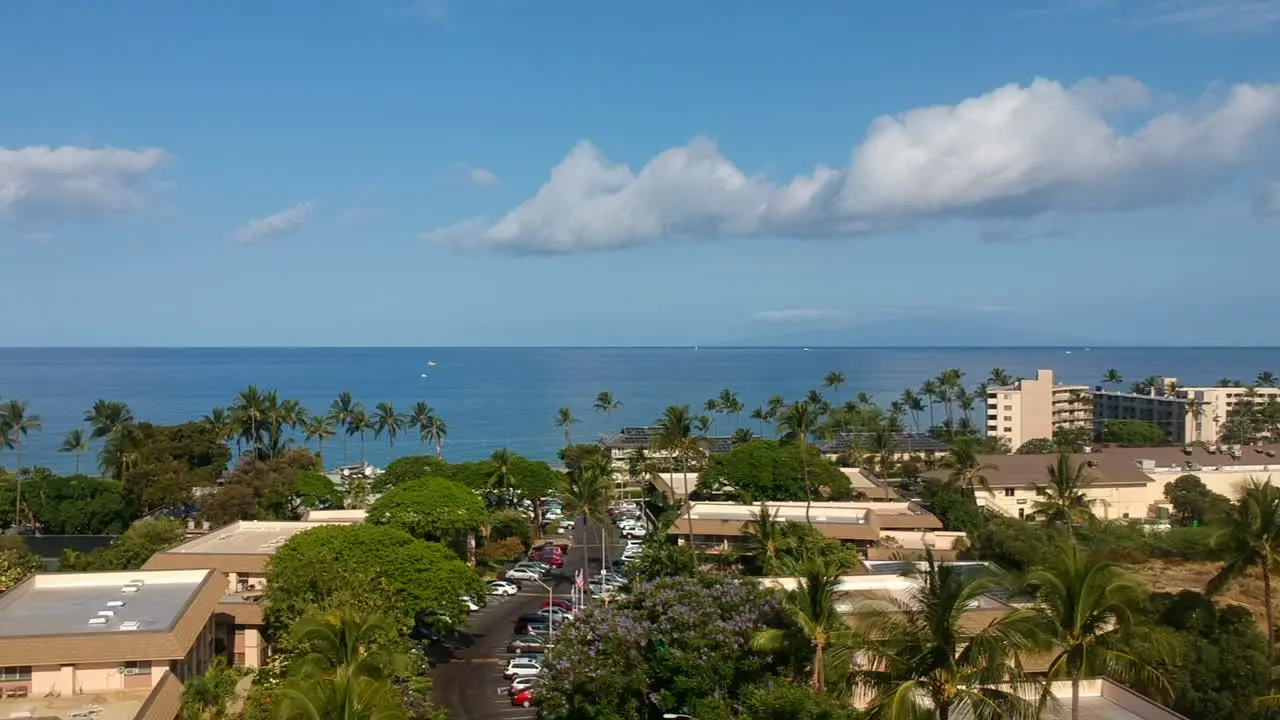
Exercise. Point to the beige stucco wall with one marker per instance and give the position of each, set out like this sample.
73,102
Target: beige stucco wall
920,539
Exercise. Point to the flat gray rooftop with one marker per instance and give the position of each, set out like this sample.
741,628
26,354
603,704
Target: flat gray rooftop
62,604
1098,708
247,537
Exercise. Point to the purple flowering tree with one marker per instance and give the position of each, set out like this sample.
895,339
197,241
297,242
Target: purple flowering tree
677,642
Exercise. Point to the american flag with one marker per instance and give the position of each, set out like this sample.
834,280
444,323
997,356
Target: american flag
577,579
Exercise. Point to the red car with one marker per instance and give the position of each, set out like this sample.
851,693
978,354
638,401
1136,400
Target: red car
562,604
555,560
524,698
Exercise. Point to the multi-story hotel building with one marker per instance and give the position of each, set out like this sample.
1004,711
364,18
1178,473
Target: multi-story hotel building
106,646
1167,412
1034,408
1207,407
238,553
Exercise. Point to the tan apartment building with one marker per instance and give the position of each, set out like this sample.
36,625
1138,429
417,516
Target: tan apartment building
719,526
238,553
1128,483
1207,408
1034,408
106,646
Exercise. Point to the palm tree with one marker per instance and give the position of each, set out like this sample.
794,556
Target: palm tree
1266,378
796,423
605,403
500,480
641,468
1063,500
386,419
249,408
319,428
929,391
815,619
763,539
918,661
418,418
208,695
1084,605
1113,378
834,380
15,425
703,423
106,417
587,496
912,403
1251,540
221,424
760,416
77,444
741,436
967,469
565,419
435,431
342,410
675,437
999,377
343,674
358,424
728,404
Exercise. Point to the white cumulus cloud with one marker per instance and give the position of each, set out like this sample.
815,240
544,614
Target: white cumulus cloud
480,176
50,182
281,223
796,314
1015,153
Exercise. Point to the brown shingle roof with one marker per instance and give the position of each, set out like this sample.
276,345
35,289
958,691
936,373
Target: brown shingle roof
1027,470
734,528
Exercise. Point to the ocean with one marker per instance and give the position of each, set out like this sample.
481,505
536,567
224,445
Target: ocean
506,397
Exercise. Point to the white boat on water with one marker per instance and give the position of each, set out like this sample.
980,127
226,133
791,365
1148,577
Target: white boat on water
430,363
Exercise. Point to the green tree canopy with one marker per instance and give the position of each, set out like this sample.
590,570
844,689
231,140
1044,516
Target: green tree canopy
431,509
771,470
1037,446
1193,502
69,505
952,505
411,467
17,562
269,489
372,568
1132,433
131,550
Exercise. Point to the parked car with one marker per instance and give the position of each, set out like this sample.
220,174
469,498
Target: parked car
470,604
524,698
518,573
533,627
561,603
557,614
522,683
502,588
526,644
521,667
555,560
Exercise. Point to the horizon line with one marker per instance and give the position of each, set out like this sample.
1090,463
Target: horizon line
4,348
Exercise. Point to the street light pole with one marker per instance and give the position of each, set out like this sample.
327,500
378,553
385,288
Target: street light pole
551,603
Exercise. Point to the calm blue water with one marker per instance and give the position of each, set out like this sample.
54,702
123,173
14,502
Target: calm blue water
494,397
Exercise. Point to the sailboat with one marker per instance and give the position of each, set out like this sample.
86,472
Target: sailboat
431,363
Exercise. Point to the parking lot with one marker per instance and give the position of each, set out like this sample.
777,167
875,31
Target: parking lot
471,683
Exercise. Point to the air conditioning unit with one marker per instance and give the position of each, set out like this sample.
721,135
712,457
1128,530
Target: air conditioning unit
134,671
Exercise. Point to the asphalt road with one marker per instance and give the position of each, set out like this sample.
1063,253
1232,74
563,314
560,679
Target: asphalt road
470,684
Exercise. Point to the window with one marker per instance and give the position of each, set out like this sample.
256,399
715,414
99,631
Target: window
1022,513
137,667
15,673
1008,492
1008,407
1008,418
1008,429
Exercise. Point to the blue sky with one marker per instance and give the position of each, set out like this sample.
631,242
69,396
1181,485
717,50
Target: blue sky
469,172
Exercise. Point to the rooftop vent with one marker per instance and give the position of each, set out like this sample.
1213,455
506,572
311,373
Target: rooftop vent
97,621
115,603
129,625
106,613
130,589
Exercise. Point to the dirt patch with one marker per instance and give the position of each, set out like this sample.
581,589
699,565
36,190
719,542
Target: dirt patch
1171,576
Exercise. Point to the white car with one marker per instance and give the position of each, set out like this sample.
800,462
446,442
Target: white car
634,532
502,588
522,574
522,668
470,603
522,683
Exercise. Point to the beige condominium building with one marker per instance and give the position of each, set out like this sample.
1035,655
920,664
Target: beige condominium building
1167,412
1128,483
1207,408
239,553
106,646
873,526
1034,408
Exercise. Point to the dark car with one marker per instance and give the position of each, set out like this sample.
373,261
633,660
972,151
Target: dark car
526,644
533,627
